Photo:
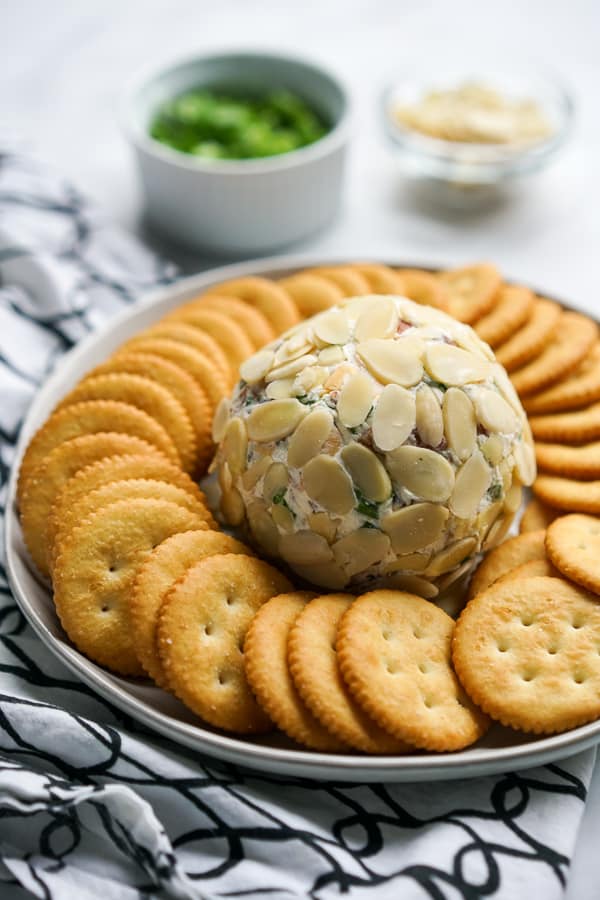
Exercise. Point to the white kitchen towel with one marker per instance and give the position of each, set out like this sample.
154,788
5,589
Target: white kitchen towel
95,807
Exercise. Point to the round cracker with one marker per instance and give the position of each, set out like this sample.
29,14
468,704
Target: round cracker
536,516
582,462
92,417
508,555
183,387
232,339
201,630
512,308
580,388
311,293
568,494
527,652
314,667
573,545
269,297
95,568
394,654
146,395
529,341
130,489
424,288
46,481
350,282
254,323
267,671
531,569
381,279
579,427
170,328
471,290
162,568
573,339
200,367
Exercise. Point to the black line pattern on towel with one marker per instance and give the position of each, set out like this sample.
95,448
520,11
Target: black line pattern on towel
204,828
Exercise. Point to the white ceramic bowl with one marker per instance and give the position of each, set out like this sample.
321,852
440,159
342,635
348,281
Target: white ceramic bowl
235,207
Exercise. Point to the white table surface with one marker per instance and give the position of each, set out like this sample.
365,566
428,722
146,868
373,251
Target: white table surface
62,70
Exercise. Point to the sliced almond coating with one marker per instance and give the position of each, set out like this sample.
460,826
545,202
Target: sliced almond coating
276,481
393,361
287,370
328,484
323,524
304,548
453,365
308,379
414,527
493,411
451,556
282,517
358,551
262,527
379,320
423,472
225,477
404,581
275,420
220,420
429,419
232,506
472,481
256,367
355,400
331,356
512,500
460,426
486,519
525,463
394,416
339,376
493,449
328,575
255,472
297,346
416,561
368,472
280,389
235,446
332,327
309,437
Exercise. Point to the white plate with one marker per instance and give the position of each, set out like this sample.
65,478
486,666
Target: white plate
501,749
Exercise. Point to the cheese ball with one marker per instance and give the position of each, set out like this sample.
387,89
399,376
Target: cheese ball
378,443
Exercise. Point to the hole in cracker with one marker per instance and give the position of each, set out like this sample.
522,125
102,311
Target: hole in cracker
577,624
105,608
552,650
391,667
428,702
386,635
527,620
502,646
578,678
222,678
528,676
417,633
208,628
424,668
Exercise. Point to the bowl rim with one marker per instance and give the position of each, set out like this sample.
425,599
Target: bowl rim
337,135
491,153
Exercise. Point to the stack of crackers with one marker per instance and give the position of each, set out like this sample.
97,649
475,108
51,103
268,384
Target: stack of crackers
145,583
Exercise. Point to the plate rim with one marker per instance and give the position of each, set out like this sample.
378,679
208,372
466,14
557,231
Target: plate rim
283,761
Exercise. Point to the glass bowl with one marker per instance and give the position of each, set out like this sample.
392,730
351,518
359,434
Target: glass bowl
470,164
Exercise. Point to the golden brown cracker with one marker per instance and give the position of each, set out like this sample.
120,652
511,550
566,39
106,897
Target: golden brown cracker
382,279
506,556
536,516
47,480
314,667
573,545
232,339
529,341
573,339
266,295
201,630
526,652
147,395
267,671
531,569
424,287
183,387
581,462
161,569
255,325
92,417
95,568
472,290
576,389
312,293
350,282
171,329
578,427
394,654
196,364
568,494
512,309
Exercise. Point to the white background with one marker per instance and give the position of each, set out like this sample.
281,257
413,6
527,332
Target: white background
63,67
